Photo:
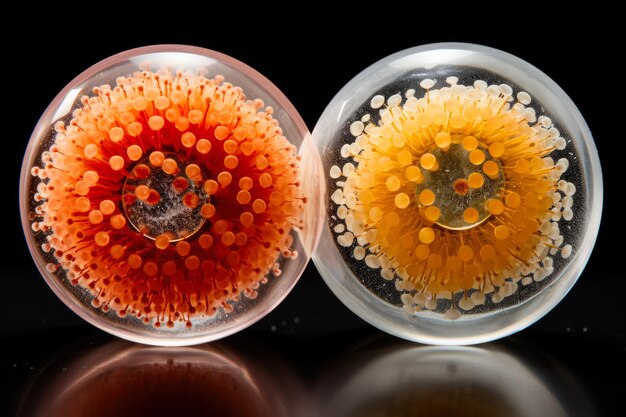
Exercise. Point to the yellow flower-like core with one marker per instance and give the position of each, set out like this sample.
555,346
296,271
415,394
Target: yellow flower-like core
454,195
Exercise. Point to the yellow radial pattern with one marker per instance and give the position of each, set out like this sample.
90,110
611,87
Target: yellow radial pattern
454,194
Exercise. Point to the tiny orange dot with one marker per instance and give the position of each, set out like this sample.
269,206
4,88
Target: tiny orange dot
193,171
265,180
470,215
221,132
413,174
169,166
477,157
162,102
95,216
181,123
422,252
224,178
465,253
134,261
162,241
239,133
496,149
244,197
427,197
183,248
495,206
230,146
513,200
134,129
261,162
169,268
490,168
428,161
83,204
156,123
470,143
404,157
142,192
91,177
101,238
156,158
475,180
203,146
134,152
116,134
150,268
432,213
241,238
195,116
118,221
220,227
392,183
247,148
140,103
90,150
188,139
259,206
231,162
245,183
205,241
207,211
246,219
116,162
172,114
402,200
192,263
191,200
442,140
117,251
501,232
426,235
211,187
228,238
107,207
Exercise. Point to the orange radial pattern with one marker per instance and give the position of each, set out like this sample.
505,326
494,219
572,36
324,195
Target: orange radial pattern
454,195
167,196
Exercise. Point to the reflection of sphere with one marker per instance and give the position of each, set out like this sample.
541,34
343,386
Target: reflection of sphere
447,381
454,173
123,380
168,197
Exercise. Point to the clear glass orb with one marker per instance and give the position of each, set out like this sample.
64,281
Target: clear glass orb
464,194
170,195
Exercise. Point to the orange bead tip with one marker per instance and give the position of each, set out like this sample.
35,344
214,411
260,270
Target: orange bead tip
169,197
453,195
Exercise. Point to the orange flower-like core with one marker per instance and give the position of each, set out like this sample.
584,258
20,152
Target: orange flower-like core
454,195
168,196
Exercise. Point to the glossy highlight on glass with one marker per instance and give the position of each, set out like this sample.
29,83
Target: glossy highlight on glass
464,194
162,195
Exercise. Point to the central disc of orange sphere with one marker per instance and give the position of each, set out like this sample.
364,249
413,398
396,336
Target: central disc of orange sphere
163,197
462,181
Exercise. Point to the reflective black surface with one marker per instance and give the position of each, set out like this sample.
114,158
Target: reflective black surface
83,372
311,356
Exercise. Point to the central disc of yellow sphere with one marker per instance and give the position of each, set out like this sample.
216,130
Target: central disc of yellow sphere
163,197
465,181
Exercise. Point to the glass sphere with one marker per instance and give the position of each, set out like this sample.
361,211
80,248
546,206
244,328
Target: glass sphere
163,195
464,194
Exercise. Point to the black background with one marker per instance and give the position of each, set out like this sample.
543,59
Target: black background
585,331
